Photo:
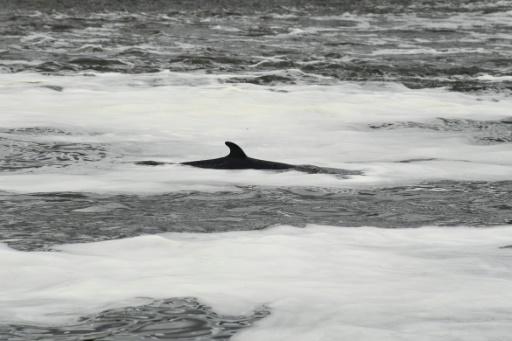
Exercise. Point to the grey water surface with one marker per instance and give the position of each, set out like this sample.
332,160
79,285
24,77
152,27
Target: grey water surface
38,221
172,319
420,44
462,45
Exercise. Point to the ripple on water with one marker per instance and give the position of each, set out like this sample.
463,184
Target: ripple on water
170,319
481,132
450,44
38,221
35,147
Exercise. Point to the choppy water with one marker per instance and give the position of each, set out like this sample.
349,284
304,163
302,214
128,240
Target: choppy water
411,98
38,221
464,46
171,319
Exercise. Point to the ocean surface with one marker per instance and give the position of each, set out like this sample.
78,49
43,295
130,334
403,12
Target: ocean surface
411,99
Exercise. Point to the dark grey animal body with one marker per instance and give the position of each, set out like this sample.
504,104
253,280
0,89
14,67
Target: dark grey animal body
237,159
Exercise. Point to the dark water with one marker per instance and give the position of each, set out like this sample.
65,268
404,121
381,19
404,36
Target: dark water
38,221
417,43
477,132
173,319
27,148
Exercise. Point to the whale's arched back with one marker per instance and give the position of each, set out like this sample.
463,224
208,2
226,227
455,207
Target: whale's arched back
237,159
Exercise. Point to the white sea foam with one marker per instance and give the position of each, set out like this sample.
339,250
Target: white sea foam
431,51
307,31
320,283
491,78
225,28
321,125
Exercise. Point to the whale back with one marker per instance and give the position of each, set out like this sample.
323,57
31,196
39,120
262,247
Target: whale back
237,159
235,151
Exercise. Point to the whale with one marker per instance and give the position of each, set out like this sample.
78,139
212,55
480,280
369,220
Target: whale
238,159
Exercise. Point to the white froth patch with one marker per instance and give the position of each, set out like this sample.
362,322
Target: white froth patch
150,180
491,78
327,126
320,282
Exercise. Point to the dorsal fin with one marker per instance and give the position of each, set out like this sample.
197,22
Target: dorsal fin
235,151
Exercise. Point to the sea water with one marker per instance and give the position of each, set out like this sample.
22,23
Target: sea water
412,98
